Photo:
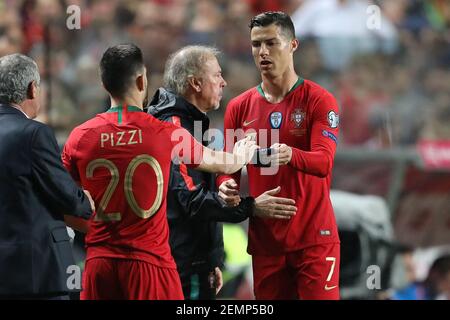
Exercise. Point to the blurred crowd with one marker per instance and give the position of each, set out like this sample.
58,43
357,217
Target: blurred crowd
388,64
386,61
411,285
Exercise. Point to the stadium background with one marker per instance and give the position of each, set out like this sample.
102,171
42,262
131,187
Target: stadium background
389,69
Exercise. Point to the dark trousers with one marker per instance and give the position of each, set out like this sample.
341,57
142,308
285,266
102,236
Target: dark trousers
198,286
55,296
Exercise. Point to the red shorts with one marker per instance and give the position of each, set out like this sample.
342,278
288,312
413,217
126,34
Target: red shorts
121,279
311,273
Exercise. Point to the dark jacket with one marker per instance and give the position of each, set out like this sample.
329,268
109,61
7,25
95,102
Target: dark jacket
193,207
35,192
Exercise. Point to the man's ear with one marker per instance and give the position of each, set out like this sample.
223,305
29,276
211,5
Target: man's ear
295,44
140,83
195,83
32,90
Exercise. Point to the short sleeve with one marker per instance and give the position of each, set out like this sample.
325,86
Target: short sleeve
185,148
68,158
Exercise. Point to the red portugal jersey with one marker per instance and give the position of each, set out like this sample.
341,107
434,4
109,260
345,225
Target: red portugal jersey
122,157
306,120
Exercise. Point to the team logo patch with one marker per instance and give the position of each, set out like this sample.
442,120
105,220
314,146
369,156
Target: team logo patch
297,117
328,134
275,119
333,119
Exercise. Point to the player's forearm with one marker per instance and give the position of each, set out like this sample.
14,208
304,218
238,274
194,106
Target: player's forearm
317,163
78,224
224,177
221,162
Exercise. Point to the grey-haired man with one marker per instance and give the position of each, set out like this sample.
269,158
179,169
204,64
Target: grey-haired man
35,192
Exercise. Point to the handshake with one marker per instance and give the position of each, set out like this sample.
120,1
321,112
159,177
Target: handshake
267,204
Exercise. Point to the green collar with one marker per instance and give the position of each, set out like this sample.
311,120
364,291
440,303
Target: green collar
299,81
119,110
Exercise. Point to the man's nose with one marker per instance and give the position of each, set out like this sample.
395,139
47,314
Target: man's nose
263,51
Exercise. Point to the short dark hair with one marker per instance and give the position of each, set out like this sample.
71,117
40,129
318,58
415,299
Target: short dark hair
118,66
278,18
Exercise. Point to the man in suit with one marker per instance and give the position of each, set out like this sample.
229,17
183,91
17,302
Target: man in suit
35,192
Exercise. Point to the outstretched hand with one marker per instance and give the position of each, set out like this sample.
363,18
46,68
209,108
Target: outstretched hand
267,205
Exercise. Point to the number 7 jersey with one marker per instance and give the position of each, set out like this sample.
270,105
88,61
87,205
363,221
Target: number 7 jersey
306,120
123,157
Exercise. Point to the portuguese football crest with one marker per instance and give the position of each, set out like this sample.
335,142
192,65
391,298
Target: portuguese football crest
275,119
297,117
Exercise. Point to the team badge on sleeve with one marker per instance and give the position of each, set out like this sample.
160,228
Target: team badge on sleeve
275,119
333,119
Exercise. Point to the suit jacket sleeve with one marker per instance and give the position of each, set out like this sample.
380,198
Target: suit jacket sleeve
53,181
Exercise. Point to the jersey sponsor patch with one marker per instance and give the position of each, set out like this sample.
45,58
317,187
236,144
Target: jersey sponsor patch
333,119
275,119
325,232
297,117
330,135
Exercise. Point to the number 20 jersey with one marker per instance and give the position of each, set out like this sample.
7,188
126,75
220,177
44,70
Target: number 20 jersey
123,158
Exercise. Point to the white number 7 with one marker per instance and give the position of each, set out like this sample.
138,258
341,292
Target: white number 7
332,266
